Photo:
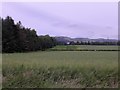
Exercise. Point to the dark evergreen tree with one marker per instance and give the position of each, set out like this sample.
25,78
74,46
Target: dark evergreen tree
17,38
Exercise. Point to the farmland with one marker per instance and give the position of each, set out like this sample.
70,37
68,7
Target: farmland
85,48
66,69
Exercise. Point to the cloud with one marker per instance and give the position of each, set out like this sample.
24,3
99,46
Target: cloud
49,22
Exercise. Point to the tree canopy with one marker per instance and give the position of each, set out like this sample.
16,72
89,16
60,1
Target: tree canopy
17,38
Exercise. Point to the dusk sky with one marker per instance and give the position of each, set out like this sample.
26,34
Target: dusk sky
73,19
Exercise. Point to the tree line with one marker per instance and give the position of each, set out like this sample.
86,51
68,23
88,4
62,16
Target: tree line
117,43
94,43
17,38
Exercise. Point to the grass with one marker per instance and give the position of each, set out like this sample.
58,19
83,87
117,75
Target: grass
61,69
85,48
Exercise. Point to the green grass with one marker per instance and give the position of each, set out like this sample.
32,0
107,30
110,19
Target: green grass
83,47
55,69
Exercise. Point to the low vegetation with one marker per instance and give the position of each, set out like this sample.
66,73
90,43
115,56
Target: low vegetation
61,69
84,48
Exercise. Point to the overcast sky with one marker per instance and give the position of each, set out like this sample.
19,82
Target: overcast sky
74,19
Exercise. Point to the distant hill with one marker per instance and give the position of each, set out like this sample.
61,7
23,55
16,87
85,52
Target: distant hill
68,39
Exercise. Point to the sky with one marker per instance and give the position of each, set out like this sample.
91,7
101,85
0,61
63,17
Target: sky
72,19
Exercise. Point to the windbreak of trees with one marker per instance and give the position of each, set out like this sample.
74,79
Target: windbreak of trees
17,38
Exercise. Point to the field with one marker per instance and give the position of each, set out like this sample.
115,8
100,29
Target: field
84,48
61,69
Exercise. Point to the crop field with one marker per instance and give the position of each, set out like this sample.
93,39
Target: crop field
85,47
61,69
